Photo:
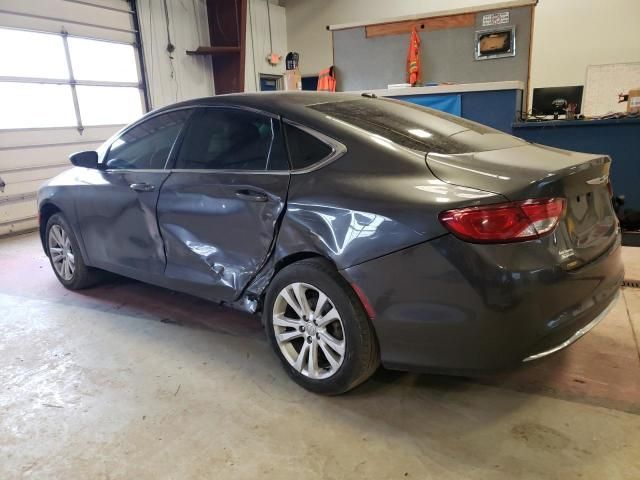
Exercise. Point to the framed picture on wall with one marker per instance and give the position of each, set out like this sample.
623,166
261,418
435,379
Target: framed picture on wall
495,43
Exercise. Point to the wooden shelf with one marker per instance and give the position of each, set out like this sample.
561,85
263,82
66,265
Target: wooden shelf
213,50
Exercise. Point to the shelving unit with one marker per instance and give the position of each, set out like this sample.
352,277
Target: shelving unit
227,25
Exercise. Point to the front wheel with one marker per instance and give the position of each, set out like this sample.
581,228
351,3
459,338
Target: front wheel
318,328
66,257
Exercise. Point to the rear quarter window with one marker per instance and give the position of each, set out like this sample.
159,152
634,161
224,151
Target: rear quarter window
305,150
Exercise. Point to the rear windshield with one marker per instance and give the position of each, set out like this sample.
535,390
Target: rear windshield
416,127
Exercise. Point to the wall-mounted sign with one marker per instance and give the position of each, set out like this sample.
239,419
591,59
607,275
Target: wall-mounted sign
495,19
495,43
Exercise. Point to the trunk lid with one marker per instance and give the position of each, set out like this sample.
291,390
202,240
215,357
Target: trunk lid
589,225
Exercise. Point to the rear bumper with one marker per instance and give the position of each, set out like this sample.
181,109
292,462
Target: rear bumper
454,307
578,334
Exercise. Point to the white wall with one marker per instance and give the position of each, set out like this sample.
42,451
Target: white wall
257,40
184,76
568,34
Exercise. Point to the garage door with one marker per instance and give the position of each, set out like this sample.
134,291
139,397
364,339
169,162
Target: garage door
70,77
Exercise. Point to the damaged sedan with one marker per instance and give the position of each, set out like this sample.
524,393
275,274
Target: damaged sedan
364,230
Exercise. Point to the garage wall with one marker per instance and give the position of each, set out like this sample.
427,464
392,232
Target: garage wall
573,34
259,18
175,76
29,156
568,35
447,56
307,21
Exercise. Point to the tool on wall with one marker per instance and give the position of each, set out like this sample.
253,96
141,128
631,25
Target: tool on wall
170,49
170,46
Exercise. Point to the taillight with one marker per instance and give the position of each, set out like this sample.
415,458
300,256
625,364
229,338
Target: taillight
504,222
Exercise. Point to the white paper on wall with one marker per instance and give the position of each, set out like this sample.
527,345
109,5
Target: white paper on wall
602,85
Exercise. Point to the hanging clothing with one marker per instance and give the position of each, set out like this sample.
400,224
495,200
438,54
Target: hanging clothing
327,80
413,58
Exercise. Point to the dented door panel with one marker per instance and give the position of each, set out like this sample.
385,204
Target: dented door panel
117,223
218,228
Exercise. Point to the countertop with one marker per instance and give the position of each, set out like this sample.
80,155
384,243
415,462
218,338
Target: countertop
444,89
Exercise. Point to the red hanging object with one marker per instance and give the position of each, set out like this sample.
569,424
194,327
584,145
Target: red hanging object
327,80
413,58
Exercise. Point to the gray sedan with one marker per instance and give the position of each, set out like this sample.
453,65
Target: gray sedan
365,230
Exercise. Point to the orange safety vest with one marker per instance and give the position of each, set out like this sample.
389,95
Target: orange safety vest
327,80
413,58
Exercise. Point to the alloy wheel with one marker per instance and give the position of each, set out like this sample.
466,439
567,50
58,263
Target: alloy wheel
309,331
61,252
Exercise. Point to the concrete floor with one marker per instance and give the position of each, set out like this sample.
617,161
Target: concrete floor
132,381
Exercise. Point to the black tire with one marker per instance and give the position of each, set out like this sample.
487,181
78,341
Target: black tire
83,276
361,355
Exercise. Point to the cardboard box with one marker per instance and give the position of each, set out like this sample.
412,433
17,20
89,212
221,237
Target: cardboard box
633,104
292,80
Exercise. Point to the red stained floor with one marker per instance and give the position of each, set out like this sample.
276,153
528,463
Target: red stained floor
603,368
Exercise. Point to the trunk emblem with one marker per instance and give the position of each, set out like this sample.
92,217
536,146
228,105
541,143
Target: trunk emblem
566,253
598,180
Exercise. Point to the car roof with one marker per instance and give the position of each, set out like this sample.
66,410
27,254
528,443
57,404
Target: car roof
280,103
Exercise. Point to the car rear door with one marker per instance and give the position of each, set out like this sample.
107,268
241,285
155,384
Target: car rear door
116,206
219,209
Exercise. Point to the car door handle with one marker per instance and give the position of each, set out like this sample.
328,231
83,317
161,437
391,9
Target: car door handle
252,195
142,187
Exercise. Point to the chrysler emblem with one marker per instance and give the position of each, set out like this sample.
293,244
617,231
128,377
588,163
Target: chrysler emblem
598,180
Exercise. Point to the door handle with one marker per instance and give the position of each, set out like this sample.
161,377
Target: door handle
142,187
252,195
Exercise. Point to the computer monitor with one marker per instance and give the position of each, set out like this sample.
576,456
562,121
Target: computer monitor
543,99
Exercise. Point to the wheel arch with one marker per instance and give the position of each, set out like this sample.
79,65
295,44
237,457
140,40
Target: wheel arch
298,256
257,289
289,259
45,212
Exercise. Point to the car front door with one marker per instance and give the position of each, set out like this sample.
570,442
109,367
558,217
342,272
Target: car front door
219,209
117,205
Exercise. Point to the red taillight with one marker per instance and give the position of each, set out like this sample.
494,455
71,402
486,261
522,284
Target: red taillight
504,222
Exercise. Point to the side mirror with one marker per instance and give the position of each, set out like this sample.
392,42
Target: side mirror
88,159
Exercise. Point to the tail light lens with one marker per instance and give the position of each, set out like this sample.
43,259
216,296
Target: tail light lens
504,222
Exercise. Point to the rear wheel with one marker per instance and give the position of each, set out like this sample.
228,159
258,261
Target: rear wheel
318,328
65,256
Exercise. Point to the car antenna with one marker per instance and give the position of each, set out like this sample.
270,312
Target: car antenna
369,95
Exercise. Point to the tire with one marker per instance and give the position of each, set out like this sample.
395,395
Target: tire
77,275
305,342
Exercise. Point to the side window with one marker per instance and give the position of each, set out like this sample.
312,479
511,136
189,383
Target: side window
219,138
147,146
304,148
